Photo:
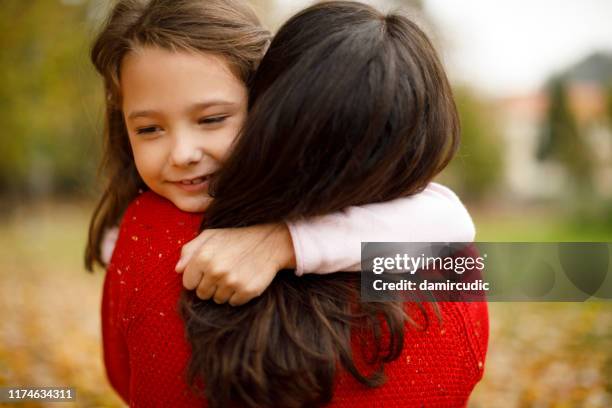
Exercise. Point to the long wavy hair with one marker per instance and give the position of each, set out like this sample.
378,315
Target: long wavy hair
348,107
228,28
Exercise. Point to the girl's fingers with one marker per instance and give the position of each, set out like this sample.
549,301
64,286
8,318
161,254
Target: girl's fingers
186,255
206,287
207,292
238,299
192,248
242,297
222,294
192,277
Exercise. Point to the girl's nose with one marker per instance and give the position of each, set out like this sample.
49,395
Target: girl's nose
185,153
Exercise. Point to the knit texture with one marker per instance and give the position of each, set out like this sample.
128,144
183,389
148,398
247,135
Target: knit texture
146,352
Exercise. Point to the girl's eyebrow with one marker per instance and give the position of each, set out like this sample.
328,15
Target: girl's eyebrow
214,102
194,107
141,114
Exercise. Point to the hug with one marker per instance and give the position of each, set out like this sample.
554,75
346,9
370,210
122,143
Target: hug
276,157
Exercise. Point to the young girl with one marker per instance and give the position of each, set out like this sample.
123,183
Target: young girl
176,100
163,139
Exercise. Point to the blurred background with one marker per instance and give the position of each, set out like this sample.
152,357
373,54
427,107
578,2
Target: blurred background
533,83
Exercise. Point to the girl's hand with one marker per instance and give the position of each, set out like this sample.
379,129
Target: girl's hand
235,264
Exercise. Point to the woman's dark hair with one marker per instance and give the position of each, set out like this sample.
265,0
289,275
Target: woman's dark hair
348,107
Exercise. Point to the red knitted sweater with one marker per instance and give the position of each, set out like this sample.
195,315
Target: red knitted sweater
146,353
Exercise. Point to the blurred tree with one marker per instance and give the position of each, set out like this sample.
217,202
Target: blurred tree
48,96
609,104
478,165
561,139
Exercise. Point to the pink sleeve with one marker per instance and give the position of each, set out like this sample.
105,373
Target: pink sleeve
332,242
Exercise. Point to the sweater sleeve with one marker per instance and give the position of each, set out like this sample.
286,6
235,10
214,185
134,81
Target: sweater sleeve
332,242
115,348
116,357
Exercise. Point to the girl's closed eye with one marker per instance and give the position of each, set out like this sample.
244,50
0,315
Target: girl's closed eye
147,130
212,120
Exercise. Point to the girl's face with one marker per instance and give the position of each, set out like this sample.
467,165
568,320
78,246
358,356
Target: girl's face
182,110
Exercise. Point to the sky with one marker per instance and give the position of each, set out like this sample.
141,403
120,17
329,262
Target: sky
510,47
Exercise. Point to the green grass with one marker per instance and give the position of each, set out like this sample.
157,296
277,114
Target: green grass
50,328
539,227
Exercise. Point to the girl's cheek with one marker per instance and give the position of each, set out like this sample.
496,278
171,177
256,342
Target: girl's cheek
149,158
227,141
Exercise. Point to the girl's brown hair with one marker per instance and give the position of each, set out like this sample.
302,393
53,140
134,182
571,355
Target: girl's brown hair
348,107
228,28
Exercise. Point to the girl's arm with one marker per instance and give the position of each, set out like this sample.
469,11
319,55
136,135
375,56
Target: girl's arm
237,264
332,242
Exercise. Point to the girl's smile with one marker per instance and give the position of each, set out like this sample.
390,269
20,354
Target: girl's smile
197,184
